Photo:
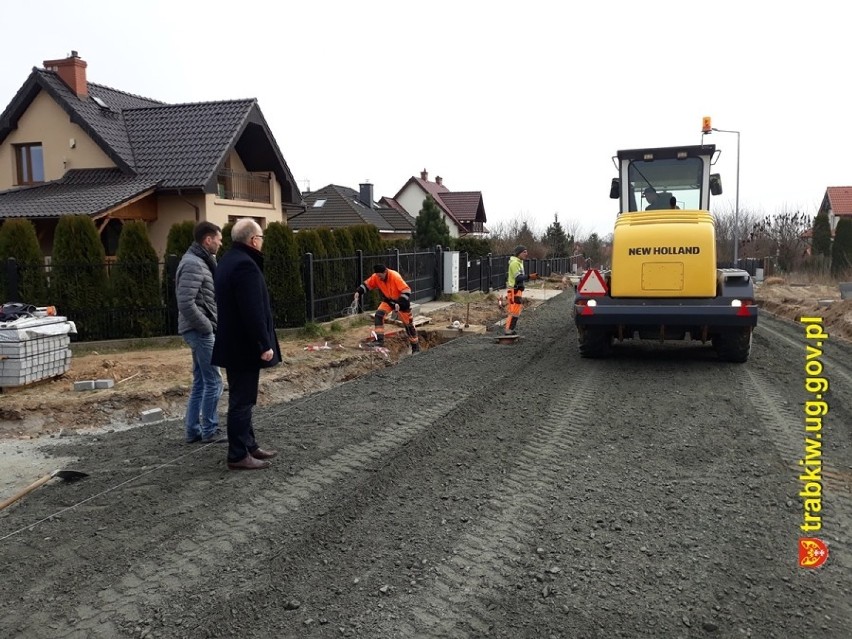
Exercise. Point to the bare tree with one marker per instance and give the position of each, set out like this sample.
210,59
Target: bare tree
782,235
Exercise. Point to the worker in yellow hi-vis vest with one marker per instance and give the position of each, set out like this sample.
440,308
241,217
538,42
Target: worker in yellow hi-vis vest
515,288
396,296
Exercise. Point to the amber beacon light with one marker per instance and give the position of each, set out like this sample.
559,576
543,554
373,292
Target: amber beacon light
706,125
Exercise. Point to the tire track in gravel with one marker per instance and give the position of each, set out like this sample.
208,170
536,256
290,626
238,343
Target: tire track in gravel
152,583
785,428
483,557
833,364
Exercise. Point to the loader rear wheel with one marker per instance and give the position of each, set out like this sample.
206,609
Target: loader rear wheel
733,346
594,342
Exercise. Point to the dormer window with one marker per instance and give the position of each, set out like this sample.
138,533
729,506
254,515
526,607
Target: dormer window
29,160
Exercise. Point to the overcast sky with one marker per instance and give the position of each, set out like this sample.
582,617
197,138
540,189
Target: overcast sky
526,102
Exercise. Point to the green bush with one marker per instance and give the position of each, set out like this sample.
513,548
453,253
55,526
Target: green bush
309,242
135,283
18,240
473,246
78,278
180,238
841,250
282,269
343,239
227,240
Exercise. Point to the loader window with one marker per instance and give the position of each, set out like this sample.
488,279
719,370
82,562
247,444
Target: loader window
654,183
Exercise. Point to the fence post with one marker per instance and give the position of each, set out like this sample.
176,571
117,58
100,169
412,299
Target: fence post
12,281
490,273
309,287
396,260
171,266
359,268
439,270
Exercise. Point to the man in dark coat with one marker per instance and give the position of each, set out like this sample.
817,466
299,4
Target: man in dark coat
245,339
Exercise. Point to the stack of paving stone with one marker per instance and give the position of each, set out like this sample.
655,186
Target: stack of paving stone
33,349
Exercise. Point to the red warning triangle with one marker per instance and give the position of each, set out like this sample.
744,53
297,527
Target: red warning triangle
592,283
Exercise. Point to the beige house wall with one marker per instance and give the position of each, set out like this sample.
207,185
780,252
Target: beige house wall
45,122
411,199
236,162
170,211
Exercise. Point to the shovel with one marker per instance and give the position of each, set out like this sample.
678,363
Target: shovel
67,475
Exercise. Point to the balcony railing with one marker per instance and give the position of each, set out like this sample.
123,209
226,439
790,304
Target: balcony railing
246,187
474,227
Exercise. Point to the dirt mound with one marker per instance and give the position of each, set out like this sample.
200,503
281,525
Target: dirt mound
792,301
160,377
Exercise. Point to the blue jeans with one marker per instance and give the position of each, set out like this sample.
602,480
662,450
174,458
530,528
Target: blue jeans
202,418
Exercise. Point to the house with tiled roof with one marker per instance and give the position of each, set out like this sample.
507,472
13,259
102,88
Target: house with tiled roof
73,147
463,211
837,203
336,207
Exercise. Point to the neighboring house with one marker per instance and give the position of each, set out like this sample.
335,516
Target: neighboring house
837,202
71,147
463,211
337,206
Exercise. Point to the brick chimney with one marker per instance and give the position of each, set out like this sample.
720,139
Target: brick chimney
72,71
424,176
439,180
365,195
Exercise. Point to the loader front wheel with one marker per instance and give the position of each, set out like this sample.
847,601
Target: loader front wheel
594,342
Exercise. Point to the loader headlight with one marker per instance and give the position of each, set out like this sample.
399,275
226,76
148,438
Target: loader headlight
736,303
592,303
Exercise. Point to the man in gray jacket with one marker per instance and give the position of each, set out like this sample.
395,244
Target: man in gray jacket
196,304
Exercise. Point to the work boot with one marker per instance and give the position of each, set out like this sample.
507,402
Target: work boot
415,348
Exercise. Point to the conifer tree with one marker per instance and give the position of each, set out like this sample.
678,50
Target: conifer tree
135,276
227,240
841,250
282,268
558,242
18,240
430,229
180,238
78,279
135,281
821,240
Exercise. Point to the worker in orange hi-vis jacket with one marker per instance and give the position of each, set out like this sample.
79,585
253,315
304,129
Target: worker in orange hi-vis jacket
396,296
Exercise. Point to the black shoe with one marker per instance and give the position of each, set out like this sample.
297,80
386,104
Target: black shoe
415,348
216,437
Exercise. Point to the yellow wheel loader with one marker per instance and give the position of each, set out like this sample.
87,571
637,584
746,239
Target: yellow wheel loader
664,283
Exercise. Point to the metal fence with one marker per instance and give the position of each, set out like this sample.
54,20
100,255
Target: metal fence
328,283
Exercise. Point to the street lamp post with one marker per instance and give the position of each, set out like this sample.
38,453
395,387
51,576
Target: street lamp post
708,129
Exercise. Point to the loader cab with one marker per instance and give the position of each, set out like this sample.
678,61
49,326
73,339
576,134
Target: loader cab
665,178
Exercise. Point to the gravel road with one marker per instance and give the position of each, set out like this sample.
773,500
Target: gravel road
473,490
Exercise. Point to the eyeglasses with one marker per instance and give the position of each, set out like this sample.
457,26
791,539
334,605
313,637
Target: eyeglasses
260,236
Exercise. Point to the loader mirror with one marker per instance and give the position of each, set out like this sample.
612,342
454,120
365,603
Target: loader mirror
615,189
716,184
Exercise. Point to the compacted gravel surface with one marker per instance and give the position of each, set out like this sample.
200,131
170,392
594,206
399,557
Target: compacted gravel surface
473,490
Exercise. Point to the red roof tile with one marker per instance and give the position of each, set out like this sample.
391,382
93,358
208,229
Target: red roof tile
463,204
840,199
